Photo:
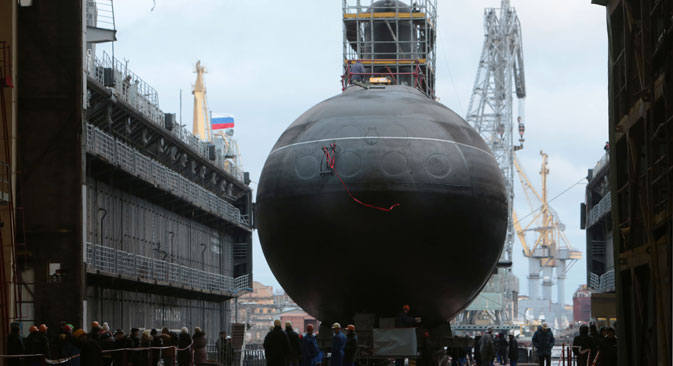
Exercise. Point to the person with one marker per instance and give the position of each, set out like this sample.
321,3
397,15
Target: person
295,351
309,347
338,344
184,344
357,68
219,347
582,346
107,343
403,320
351,346
277,345
228,351
477,353
15,345
168,339
157,342
200,342
513,353
503,348
143,357
121,342
428,349
36,343
94,334
543,342
595,336
486,347
266,337
65,346
607,350
90,351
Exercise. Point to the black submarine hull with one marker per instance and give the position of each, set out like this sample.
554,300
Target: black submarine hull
329,233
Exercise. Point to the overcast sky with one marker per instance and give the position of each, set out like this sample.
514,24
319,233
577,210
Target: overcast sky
268,61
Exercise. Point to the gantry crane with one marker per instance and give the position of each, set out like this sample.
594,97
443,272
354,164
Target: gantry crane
500,75
551,249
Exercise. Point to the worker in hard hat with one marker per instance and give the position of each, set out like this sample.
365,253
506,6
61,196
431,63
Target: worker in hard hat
94,333
90,351
277,345
351,346
403,320
295,350
338,344
486,347
37,343
309,347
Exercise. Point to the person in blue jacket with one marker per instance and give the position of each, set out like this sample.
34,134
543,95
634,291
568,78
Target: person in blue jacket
309,347
543,341
338,344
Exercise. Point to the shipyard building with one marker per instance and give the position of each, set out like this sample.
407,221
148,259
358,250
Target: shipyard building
122,215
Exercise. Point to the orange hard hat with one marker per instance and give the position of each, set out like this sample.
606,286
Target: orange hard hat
78,333
405,307
43,328
94,324
32,329
309,327
350,327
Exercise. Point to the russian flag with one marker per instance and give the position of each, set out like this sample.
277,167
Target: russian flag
221,121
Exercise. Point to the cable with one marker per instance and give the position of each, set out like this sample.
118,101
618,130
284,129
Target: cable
550,201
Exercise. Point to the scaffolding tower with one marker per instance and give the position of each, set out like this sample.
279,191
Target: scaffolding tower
394,41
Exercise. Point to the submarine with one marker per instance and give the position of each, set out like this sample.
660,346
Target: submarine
381,197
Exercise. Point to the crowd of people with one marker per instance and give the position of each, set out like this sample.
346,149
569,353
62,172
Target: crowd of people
285,347
102,347
591,345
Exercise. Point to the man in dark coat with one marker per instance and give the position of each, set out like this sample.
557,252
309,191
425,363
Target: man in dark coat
36,343
15,345
309,347
543,341
513,353
121,342
595,336
295,349
607,350
503,348
351,346
477,353
156,342
277,345
90,352
185,352
403,320
168,339
583,345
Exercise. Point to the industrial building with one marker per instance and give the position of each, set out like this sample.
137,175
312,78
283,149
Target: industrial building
596,220
640,67
113,212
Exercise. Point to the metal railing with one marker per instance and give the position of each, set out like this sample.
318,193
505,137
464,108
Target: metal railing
607,281
599,210
133,90
132,161
117,262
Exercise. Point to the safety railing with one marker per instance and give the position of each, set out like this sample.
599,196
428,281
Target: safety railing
599,210
370,6
138,356
607,283
416,74
132,161
134,266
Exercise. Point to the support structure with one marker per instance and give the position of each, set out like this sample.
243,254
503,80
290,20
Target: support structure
394,41
499,76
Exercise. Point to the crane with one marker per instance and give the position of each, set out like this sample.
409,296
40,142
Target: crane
500,75
551,249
